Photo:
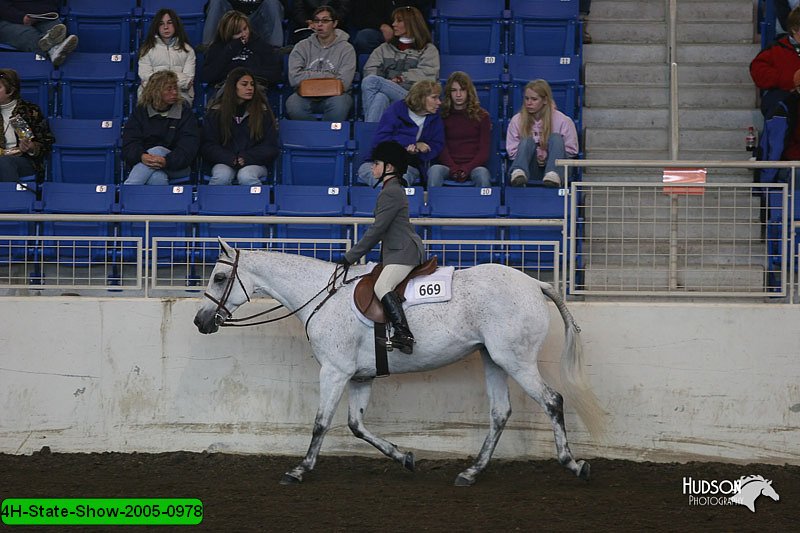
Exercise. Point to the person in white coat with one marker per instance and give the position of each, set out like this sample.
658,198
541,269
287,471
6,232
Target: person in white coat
166,47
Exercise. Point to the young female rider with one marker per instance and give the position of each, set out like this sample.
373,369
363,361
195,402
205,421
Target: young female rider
402,248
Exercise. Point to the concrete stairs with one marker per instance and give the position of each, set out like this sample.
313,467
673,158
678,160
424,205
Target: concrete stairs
626,116
626,76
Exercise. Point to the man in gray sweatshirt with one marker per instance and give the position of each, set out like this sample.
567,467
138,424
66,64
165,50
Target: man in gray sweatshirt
325,54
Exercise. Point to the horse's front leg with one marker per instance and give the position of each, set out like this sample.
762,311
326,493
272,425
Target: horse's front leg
331,386
359,393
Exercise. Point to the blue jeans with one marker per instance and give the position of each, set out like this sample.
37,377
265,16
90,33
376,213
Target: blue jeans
141,174
22,37
267,20
437,174
526,157
223,175
365,174
367,40
333,108
14,167
377,93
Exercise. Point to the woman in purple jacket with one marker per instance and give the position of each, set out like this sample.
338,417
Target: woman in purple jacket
414,123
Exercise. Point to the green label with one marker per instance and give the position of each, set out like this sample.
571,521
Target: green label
102,511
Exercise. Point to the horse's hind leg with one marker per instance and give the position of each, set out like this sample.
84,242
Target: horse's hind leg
331,387
553,404
359,393
499,411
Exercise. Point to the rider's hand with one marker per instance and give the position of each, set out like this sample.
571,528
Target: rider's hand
343,261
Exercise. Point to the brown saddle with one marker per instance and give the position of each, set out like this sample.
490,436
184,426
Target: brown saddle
364,294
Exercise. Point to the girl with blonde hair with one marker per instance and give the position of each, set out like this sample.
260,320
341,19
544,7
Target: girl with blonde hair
537,136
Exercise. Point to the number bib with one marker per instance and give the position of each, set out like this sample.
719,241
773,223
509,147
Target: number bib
436,287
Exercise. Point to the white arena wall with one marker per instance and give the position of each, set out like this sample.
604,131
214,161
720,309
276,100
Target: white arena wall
680,381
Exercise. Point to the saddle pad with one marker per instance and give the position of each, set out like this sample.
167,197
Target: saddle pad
433,288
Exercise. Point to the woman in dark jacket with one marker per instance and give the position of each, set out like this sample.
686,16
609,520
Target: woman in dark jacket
235,45
160,138
240,136
401,249
26,138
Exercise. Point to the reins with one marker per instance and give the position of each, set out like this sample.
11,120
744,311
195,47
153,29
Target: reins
227,319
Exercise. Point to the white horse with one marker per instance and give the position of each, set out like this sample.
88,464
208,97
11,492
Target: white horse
494,309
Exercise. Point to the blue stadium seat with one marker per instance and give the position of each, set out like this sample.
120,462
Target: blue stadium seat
98,85
544,27
16,198
562,73
486,73
363,133
157,200
314,153
470,27
77,198
35,72
191,12
311,200
533,203
101,26
231,200
85,150
464,202
362,204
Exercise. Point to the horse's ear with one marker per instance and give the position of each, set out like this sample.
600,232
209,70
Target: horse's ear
226,248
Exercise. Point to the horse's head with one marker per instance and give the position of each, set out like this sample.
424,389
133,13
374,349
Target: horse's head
767,490
226,291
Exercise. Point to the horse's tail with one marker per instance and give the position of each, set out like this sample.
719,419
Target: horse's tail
576,385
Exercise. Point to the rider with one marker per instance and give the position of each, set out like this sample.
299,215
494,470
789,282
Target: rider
402,248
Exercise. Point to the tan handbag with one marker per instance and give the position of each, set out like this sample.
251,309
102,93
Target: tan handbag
320,87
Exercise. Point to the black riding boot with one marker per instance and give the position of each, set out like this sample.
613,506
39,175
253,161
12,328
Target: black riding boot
402,337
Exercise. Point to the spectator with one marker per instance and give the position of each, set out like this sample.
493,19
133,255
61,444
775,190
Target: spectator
584,6
167,47
26,137
467,136
372,21
265,16
537,136
160,138
414,123
394,67
782,10
236,45
303,11
22,29
773,69
240,134
326,54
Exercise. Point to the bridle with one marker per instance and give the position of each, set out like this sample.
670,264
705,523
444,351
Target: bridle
227,320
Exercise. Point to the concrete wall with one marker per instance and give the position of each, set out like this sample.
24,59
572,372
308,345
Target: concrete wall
680,382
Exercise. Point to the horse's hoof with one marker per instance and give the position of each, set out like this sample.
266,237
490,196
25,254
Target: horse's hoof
464,481
408,461
289,479
584,470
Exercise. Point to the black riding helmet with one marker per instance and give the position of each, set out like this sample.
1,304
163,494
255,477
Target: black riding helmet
391,152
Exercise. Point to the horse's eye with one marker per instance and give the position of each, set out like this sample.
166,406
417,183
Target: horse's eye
219,278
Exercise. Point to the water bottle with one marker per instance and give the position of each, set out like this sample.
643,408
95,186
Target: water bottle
750,139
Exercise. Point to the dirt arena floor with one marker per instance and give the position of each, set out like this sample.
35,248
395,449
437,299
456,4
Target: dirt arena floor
242,493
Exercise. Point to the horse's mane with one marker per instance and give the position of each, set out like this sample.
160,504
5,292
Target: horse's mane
744,480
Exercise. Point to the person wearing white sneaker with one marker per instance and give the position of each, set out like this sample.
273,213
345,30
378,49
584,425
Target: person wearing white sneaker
537,136
34,26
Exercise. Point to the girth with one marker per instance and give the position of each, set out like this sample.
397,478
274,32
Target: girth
364,294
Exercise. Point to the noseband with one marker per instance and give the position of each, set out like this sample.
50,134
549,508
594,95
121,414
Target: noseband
219,317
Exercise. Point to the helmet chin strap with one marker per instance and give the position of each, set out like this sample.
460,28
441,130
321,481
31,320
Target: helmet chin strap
390,174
